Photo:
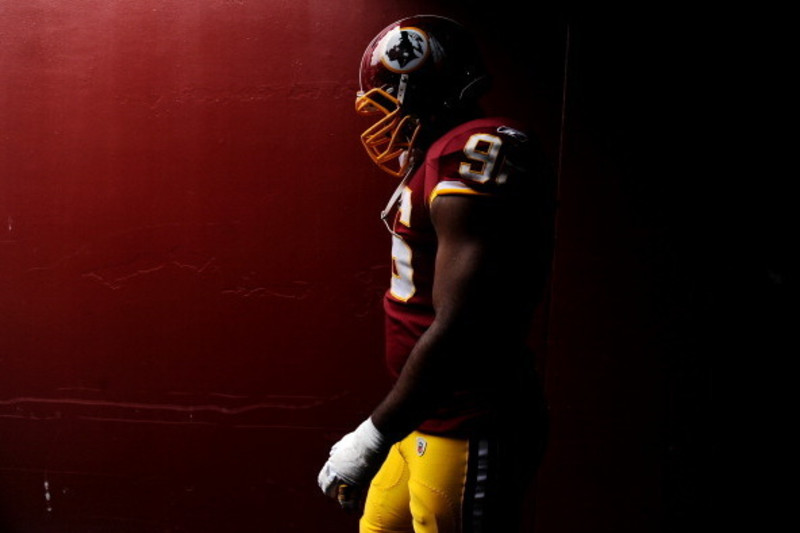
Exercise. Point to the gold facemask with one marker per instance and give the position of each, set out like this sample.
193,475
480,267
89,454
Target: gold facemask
390,141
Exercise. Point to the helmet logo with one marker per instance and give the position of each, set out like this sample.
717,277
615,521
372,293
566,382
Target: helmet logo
404,50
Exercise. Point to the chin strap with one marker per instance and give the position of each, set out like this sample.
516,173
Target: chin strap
395,196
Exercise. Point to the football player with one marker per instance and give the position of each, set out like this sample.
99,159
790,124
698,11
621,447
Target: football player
454,444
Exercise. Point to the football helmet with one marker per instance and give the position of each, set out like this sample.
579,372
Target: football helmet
414,71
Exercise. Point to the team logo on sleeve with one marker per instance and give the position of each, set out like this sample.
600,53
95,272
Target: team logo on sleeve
404,49
513,133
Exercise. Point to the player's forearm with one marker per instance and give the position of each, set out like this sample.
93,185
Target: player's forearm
422,382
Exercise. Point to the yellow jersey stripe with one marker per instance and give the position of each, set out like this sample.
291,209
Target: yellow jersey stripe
452,187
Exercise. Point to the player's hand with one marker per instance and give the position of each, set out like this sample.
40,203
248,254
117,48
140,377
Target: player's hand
353,462
351,499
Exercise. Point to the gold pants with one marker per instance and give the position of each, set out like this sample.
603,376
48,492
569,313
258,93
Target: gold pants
431,484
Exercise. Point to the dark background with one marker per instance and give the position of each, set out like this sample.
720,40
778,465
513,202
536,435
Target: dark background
191,261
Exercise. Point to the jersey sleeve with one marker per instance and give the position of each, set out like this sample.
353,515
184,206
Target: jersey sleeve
482,158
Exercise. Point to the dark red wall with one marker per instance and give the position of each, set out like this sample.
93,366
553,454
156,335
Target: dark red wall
191,263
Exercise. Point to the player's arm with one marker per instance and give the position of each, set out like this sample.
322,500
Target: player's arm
466,228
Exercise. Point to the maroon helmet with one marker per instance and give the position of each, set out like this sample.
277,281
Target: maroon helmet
415,69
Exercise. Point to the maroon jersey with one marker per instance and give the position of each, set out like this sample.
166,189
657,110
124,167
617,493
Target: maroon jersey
484,157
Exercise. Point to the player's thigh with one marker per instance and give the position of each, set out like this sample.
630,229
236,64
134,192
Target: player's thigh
387,506
438,469
466,486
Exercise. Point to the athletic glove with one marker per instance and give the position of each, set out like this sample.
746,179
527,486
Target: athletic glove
354,460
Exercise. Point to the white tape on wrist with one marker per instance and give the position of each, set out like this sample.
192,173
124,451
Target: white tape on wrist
371,435
354,459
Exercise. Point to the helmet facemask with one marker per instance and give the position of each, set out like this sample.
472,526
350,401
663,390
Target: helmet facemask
389,142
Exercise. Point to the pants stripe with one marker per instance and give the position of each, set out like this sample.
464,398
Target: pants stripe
477,490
